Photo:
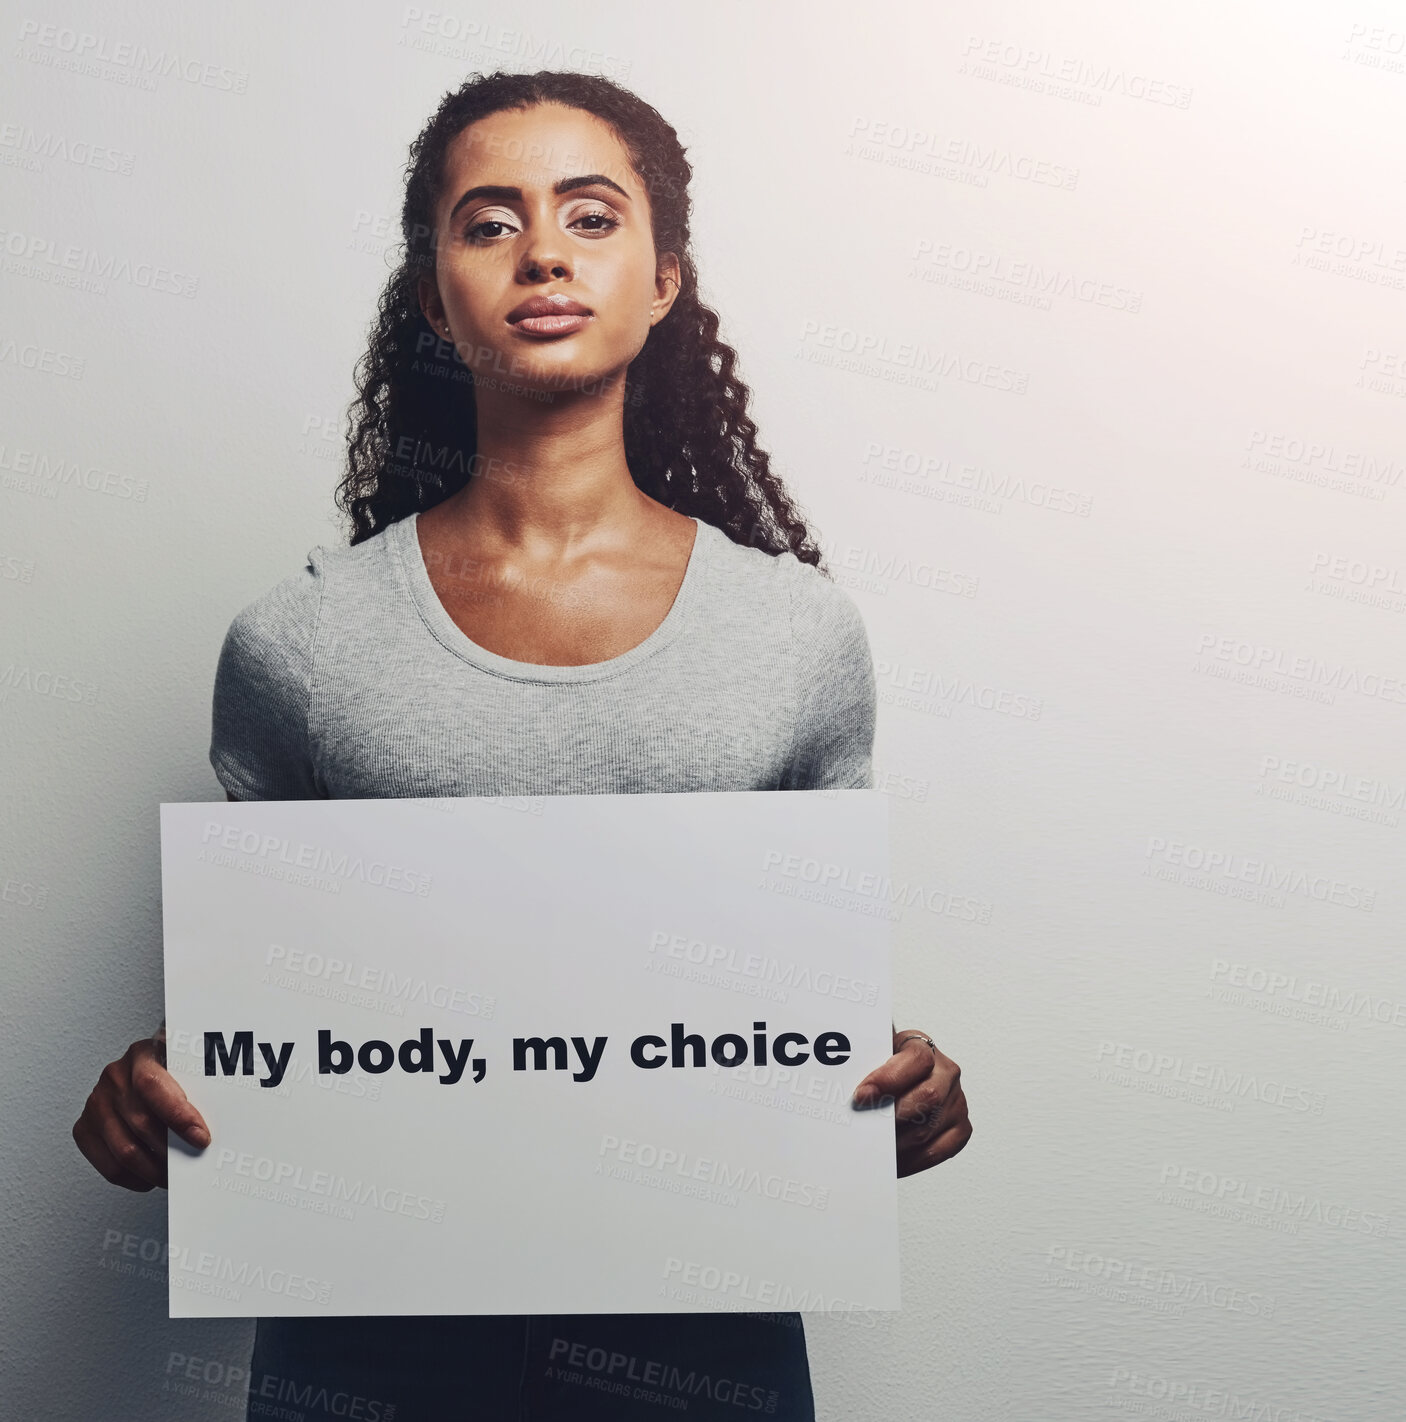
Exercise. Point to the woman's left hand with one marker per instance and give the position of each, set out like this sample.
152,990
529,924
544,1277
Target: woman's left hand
930,1107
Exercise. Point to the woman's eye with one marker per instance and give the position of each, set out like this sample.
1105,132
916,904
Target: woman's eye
478,231
490,229
601,221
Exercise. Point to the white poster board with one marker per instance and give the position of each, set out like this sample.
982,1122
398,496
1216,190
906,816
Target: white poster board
429,1081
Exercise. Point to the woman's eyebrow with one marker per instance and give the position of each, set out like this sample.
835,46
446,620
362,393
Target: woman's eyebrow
563,185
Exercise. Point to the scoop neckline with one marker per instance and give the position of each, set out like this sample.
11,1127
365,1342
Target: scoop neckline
405,541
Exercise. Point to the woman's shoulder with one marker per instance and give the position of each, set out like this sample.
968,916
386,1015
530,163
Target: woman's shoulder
820,611
266,671
288,611
264,678
818,633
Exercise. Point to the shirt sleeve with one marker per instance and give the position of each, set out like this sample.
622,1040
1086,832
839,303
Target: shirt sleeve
836,695
260,744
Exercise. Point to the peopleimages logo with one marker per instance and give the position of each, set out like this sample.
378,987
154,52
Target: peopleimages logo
840,878
1308,992
1181,1289
872,569
1063,75
682,1276
953,264
721,959
1234,1198
889,466
1256,664
44,683
1328,787
85,268
321,1191
214,1274
441,32
41,358
35,471
875,353
30,147
100,56
380,988
1194,865
1168,1074
927,151
312,858
946,691
1302,459
1176,1398
611,1372
728,1177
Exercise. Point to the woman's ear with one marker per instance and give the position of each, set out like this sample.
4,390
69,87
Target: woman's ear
667,276
431,305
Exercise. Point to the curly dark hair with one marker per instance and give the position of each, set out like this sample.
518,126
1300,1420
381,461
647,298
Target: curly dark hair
689,441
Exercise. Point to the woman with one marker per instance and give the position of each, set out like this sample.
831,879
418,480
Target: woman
571,570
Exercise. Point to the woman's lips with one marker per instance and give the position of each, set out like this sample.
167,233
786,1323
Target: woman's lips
560,324
549,314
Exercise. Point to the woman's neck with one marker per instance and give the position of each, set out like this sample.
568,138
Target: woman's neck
548,476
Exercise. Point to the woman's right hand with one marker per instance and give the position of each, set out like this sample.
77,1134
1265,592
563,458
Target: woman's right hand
122,1130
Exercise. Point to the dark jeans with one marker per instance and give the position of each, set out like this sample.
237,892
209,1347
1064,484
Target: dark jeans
531,1369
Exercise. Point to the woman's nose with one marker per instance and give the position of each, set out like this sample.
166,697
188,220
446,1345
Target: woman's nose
542,264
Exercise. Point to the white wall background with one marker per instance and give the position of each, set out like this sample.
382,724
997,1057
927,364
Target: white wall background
1184,1197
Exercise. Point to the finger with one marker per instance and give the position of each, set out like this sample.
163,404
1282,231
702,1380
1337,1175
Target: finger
935,1098
161,1094
935,1152
128,1152
101,1159
114,1094
932,1105
903,1071
142,1124
923,1110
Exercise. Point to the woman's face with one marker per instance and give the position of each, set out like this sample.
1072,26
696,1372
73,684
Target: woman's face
545,269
